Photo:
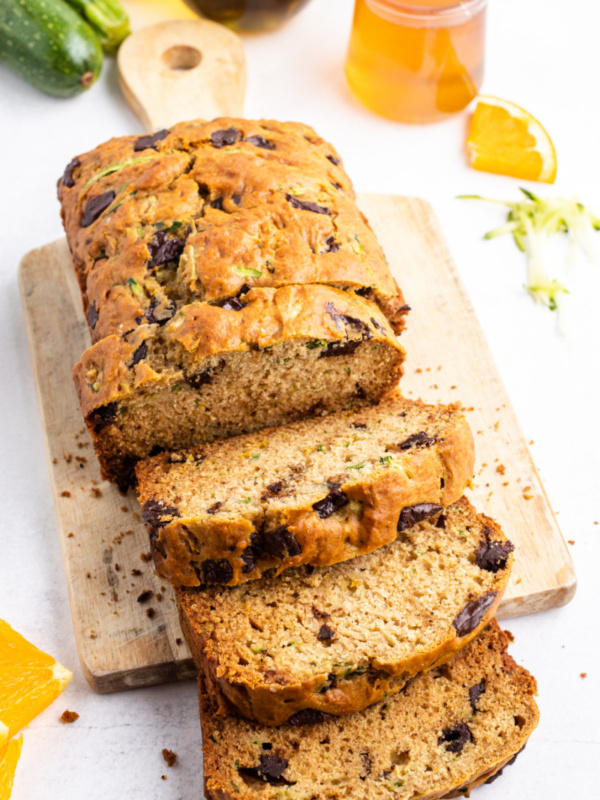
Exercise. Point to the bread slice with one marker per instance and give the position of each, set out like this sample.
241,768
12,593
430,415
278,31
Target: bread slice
205,211
215,371
317,492
334,640
451,729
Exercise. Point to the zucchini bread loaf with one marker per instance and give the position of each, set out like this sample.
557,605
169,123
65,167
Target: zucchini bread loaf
229,282
206,211
334,640
317,491
450,729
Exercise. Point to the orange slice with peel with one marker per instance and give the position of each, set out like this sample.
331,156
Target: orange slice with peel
507,140
29,681
9,755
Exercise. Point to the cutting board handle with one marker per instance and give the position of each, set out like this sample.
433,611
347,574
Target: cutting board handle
181,70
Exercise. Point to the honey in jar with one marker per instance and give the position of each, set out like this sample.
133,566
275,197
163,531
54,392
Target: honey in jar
418,60
248,15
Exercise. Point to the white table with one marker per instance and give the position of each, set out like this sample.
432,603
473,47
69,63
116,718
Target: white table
542,54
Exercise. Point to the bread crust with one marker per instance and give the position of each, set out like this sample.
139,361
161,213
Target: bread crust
275,208
274,696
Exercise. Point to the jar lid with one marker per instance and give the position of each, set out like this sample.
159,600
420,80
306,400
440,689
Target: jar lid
423,16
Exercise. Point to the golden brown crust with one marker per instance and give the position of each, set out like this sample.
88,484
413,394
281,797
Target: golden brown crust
273,208
272,690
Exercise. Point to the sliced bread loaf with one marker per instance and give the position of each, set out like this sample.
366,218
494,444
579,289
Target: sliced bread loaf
333,640
317,492
215,371
451,729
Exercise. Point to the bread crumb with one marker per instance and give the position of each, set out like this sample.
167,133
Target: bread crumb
506,483
68,716
70,535
595,522
453,387
55,460
145,596
136,572
67,456
150,612
124,509
65,494
178,641
527,496
419,370
146,556
571,541
169,756
531,441
501,469
95,492
583,674
163,777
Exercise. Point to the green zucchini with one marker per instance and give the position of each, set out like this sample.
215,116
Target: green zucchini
49,45
108,19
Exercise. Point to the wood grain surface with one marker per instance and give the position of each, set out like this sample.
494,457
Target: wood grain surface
124,615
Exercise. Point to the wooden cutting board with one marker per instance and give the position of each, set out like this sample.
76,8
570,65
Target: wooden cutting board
128,637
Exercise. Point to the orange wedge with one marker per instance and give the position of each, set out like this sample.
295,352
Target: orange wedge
9,755
505,139
29,681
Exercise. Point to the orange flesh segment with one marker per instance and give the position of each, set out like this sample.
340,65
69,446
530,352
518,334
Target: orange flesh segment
29,681
9,756
506,140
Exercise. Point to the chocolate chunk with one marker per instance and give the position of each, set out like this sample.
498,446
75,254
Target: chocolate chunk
214,508
95,207
270,769
151,316
260,141
232,304
334,160
237,199
306,205
308,716
475,693
272,488
278,543
343,321
139,354
456,738
344,348
93,315
420,439
492,556
163,249
367,766
331,246
335,500
248,557
364,291
493,777
404,309
150,140
103,415
67,177
218,203
156,514
378,325
441,521
326,633
206,376
359,425
410,515
472,614
224,137
217,571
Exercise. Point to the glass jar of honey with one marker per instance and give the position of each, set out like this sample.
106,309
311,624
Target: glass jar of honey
248,15
417,60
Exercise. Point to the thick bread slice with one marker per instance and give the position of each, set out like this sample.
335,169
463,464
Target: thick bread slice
317,492
450,730
207,210
212,372
334,640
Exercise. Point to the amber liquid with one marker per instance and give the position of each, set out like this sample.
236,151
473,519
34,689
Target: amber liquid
248,15
415,74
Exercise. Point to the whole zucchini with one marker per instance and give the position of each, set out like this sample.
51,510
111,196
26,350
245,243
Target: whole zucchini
49,45
108,19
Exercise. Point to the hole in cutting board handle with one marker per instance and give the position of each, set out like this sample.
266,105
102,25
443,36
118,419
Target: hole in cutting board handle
182,57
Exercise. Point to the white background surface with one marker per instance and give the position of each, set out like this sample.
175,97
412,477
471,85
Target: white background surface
540,53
